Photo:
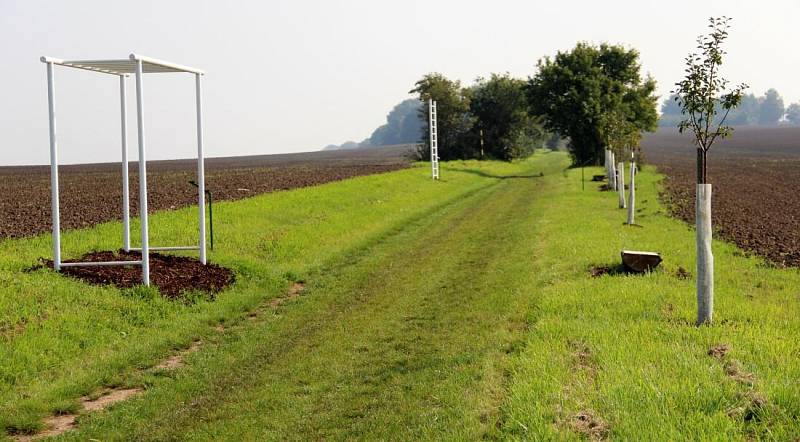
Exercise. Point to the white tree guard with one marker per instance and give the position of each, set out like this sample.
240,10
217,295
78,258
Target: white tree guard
705,258
621,184
632,195
613,173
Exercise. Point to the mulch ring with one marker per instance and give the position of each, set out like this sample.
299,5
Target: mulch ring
173,275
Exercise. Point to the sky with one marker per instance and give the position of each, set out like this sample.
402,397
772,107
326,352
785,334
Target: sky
292,76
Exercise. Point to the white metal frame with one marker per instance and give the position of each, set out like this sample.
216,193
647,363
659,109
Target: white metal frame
434,135
137,65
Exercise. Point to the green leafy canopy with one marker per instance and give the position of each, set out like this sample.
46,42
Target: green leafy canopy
578,92
703,90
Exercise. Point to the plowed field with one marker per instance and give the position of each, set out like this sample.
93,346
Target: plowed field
756,187
92,194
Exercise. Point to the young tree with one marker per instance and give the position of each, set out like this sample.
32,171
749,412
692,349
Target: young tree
699,95
452,115
574,90
618,134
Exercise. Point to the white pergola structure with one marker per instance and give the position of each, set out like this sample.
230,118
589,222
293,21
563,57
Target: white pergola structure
137,65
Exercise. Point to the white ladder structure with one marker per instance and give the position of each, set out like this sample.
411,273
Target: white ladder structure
434,139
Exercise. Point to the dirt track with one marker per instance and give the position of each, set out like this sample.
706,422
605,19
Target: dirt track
756,181
92,194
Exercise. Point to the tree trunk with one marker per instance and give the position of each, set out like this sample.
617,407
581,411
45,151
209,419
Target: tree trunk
621,184
632,195
705,258
701,166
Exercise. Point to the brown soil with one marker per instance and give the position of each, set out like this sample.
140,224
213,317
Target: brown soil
613,270
582,357
92,194
57,425
733,368
173,275
109,398
719,351
294,291
735,371
756,187
176,360
590,425
751,408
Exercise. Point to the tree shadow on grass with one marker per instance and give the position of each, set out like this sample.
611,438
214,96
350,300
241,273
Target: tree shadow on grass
502,177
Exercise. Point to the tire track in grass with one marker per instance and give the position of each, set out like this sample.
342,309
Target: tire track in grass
411,338
392,359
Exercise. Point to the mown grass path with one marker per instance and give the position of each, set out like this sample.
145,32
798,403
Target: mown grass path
408,338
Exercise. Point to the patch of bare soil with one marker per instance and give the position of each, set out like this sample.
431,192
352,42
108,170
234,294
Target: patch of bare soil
719,351
176,360
582,357
173,275
587,423
109,397
55,425
750,408
597,271
735,370
60,424
294,291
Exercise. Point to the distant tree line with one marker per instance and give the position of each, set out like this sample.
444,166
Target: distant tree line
589,99
489,119
403,126
765,110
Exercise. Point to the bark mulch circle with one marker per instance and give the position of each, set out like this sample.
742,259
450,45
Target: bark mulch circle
173,275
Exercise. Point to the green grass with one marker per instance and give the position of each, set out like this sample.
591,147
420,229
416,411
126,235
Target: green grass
649,372
459,309
60,339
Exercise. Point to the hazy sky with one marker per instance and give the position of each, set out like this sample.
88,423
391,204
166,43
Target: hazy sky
287,76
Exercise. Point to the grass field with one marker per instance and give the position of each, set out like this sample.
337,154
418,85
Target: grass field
459,309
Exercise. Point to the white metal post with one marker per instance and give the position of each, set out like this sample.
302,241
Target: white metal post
201,174
126,211
142,177
51,102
